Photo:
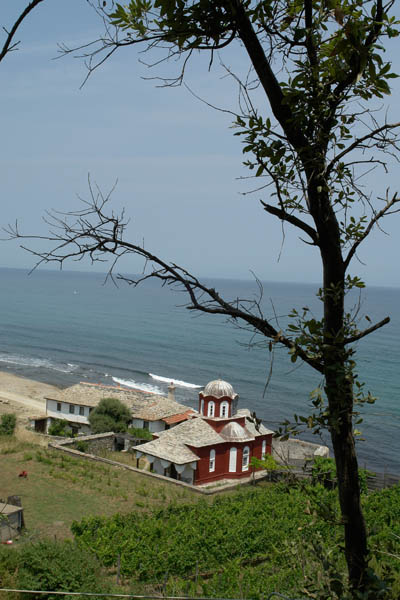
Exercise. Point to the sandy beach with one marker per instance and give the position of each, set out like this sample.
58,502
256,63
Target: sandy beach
24,397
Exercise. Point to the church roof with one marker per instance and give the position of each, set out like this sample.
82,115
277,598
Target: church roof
172,444
218,389
234,432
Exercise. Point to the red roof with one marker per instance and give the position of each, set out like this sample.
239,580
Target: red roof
178,418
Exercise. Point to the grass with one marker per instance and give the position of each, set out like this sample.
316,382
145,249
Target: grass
60,489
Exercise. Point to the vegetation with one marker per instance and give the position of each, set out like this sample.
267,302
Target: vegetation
60,427
7,424
51,565
109,415
60,488
236,545
142,434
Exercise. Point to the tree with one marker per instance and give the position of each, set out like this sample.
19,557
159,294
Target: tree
109,415
9,44
320,67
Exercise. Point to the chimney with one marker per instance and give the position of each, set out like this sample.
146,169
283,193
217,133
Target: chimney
171,391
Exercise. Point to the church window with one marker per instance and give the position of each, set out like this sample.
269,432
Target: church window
224,409
232,459
202,407
211,408
245,458
264,448
212,461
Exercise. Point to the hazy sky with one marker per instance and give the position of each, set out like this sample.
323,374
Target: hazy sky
176,159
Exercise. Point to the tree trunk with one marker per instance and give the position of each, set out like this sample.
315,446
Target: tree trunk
339,392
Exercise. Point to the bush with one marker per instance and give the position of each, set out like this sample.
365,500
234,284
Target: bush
52,565
82,446
7,424
110,415
141,434
60,427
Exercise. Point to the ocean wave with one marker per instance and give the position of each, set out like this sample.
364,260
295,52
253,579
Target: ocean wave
144,387
37,363
174,381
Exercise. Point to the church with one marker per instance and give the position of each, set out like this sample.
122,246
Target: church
216,443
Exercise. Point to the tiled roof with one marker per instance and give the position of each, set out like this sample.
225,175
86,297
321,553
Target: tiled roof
144,405
172,444
178,418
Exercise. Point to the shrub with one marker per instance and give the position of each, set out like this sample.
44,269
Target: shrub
7,424
60,427
82,446
142,434
109,415
52,565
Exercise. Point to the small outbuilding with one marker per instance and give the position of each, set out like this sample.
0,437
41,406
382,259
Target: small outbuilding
11,521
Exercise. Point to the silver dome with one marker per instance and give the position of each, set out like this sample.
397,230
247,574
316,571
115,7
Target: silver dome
218,389
235,433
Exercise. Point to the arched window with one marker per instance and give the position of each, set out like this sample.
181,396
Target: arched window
224,409
264,448
202,406
211,467
246,458
211,408
232,460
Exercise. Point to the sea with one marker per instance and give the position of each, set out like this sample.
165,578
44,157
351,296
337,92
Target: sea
63,327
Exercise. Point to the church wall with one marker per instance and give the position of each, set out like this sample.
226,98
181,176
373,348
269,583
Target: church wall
203,475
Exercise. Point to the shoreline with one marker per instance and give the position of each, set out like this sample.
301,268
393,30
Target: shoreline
24,396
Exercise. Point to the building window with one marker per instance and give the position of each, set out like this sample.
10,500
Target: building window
146,425
212,461
59,406
72,409
245,458
211,408
82,411
264,448
202,407
224,409
232,460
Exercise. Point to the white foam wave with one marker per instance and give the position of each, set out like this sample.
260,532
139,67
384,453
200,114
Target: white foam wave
25,361
174,381
144,387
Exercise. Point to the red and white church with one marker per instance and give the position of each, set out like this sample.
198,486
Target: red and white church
217,443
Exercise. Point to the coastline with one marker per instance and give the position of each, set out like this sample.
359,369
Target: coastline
22,396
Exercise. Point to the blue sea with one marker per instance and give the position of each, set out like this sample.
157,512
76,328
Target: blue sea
64,327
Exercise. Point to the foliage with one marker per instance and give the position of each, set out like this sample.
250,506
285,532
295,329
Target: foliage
267,462
82,446
8,422
60,428
109,415
142,434
324,471
52,565
272,538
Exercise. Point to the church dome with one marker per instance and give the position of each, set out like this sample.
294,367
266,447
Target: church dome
218,389
234,432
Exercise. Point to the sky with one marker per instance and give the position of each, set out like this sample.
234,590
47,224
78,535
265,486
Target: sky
177,162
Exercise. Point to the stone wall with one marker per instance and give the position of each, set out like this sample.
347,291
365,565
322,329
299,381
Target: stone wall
96,444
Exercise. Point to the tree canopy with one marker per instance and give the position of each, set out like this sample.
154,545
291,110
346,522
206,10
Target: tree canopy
109,415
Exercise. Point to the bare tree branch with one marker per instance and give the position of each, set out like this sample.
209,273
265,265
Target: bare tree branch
285,216
361,334
377,216
9,45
